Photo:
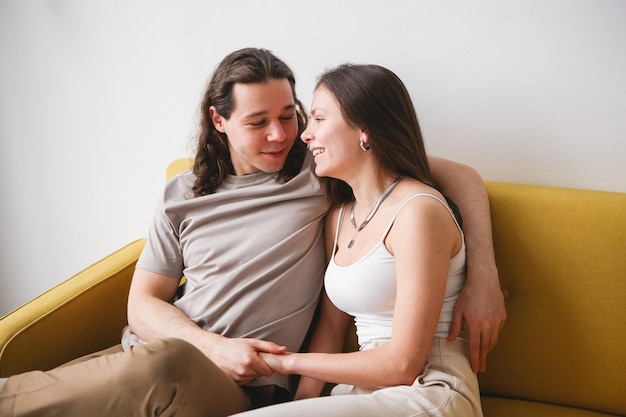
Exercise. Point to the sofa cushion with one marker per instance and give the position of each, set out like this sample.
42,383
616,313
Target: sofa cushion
561,257
504,407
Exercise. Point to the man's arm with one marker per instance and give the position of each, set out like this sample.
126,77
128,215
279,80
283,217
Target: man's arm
481,303
151,316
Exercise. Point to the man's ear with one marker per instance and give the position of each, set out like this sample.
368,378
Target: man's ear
217,119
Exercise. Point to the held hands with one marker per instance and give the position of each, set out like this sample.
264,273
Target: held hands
482,309
241,358
278,362
284,364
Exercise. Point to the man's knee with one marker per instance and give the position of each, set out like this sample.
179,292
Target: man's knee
173,359
182,376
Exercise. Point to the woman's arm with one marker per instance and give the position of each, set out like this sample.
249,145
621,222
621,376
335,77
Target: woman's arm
481,304
328,337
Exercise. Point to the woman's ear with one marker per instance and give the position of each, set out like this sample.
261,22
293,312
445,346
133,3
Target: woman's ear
217,119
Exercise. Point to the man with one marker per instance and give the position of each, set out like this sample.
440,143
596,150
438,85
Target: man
244,227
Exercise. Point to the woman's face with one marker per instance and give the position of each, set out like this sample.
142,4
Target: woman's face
333,142
262,128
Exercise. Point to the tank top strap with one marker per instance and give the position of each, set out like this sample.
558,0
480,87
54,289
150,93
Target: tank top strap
411,198
339,217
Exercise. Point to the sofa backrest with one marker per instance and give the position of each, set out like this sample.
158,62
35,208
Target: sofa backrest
177,166
561,256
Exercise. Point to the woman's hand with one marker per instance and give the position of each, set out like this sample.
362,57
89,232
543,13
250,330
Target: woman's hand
278,363
241,358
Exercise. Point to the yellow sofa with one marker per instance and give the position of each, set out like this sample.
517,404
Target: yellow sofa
561,255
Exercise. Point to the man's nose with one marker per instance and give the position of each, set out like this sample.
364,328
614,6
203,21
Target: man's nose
276,132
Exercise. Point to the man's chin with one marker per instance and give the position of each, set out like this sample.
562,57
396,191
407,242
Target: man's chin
273,167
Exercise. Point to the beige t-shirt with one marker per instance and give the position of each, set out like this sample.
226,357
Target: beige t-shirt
253,255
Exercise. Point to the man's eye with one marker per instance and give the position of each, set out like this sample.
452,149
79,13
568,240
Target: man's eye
257,123
288,117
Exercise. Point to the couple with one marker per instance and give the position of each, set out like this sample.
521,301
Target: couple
252,228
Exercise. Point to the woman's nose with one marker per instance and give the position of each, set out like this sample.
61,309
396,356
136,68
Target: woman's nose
306,136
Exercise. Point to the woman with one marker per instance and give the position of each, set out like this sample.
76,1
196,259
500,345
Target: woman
396,263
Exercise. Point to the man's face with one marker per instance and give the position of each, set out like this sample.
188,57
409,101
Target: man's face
262,127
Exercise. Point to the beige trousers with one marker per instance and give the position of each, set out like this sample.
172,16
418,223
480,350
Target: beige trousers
163,378
446,387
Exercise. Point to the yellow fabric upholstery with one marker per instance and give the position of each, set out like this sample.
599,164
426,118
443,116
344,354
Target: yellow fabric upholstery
178,166
561,257
509,407
562,262
82,315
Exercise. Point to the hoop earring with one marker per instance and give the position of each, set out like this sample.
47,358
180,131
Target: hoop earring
364,145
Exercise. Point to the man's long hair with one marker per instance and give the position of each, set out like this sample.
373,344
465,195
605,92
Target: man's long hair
212,162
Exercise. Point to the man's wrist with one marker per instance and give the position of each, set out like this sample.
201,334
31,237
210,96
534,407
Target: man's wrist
483,272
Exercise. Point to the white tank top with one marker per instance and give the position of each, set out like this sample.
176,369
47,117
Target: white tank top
367,289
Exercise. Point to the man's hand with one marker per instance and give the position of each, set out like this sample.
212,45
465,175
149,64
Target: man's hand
240,359
482,309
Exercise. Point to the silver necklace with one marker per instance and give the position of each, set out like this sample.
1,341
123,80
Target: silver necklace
384,195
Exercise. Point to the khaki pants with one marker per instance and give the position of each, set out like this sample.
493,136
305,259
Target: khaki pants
163,378
447,387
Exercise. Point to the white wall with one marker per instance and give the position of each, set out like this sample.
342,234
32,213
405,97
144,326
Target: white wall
96,97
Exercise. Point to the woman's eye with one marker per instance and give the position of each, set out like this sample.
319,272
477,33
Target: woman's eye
257,123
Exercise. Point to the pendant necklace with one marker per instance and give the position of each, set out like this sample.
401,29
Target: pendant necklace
384,195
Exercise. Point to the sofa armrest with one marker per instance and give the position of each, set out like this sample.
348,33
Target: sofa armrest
83,314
